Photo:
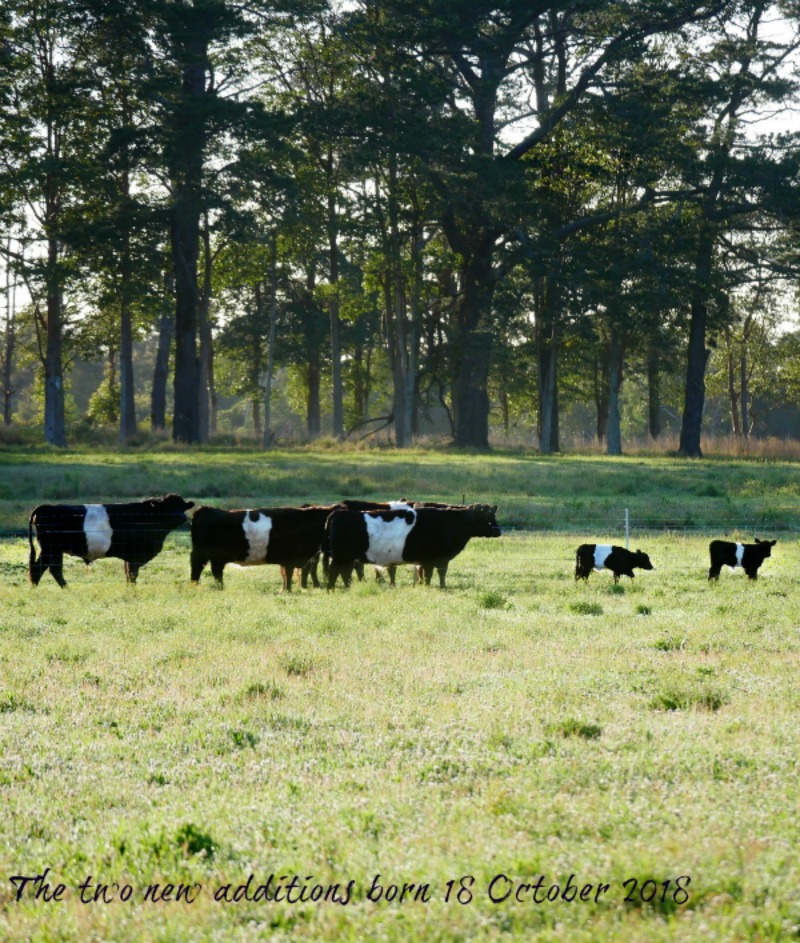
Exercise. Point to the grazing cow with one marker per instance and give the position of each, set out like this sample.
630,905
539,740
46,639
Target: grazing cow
427,537
288,537
620,561
748,556
135,533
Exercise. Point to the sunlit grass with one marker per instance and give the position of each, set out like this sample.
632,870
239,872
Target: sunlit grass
518,724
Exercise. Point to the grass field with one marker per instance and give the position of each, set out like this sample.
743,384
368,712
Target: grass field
484,744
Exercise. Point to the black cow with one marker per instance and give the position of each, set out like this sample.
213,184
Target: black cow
748,556
289,537
427,537
419,575
135,533
620,561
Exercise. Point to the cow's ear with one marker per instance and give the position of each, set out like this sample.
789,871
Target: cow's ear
757,540
773,542
494,509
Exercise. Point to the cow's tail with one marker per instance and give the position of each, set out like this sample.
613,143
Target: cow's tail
32,557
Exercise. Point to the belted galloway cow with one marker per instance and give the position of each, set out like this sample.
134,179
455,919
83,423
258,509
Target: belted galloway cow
133,532
620,561
287,536
426,537
748,556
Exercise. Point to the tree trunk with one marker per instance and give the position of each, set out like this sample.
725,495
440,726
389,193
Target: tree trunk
9,344
546,340
55,432
744,379
733,395
335,323
158,396
698,353
185,238
127,404
615,377
601,397
205,364
273,327
473,346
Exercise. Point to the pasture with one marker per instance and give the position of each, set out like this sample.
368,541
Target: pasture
483,744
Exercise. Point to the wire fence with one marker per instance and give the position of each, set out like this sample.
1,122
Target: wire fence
622,526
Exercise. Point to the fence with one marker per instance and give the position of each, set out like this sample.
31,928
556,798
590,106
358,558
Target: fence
620,525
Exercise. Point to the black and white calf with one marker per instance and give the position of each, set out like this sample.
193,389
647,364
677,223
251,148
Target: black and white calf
620,561
288,537
426,537
135,533
748,556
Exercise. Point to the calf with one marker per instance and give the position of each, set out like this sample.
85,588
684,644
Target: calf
620,561
135,533
426,537
288,537
748,556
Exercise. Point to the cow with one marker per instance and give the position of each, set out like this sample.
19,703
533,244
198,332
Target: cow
425,537
287,536
748,556
135,533
620,561
391,570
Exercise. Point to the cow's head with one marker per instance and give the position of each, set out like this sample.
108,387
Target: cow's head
643,561
483,516
766,546
172,505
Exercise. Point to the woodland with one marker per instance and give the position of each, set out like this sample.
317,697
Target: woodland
383,214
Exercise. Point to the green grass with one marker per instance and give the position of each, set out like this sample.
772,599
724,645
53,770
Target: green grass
516,725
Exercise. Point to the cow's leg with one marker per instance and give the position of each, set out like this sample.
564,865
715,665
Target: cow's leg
217,566
56,565
287,572
752,574
442,571
616,577
198,563
713,572
333,572
131,571
392,574
310,569
36,570
427,573
358,566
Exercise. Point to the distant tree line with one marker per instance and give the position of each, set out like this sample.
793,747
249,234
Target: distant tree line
459,204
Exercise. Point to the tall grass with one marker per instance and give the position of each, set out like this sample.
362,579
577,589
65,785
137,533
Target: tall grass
514,727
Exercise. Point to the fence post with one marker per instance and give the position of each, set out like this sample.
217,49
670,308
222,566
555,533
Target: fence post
627,529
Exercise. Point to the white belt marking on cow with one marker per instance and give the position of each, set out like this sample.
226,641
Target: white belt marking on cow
387,538
601,554
257,534
739,554
97,528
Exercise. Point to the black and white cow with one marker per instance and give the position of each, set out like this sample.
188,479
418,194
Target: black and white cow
748,556
289,537
135,533
620,561
426,537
